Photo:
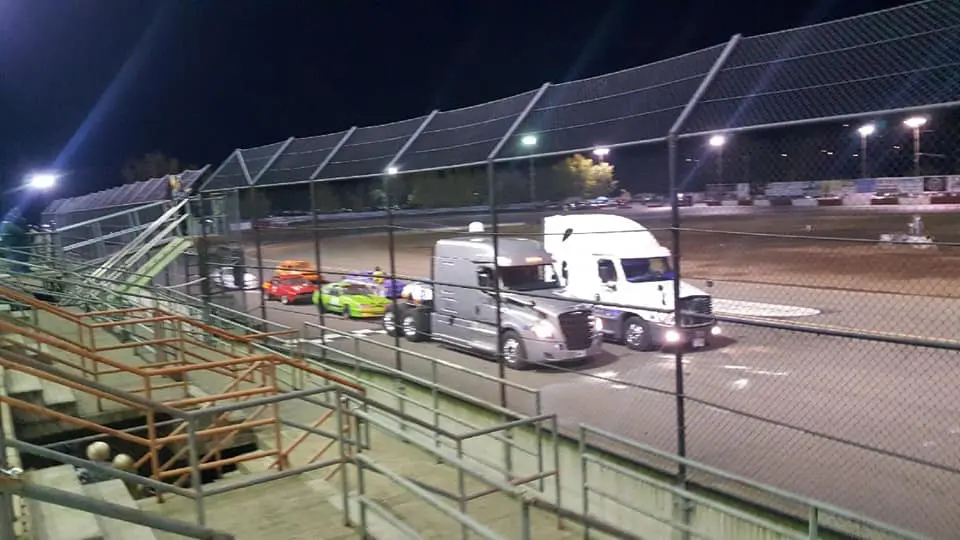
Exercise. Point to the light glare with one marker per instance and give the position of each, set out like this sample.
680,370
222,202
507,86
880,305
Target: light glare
866,130
41,181
392,170
529,140
717,141
601,151
915,121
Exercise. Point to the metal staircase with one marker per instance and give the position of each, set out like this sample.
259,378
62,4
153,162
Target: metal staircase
129,259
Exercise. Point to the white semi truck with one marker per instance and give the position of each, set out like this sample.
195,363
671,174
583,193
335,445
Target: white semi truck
458,308
607,258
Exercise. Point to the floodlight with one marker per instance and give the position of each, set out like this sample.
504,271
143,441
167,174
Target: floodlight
717,141
866,130
529,140
915,122
41,181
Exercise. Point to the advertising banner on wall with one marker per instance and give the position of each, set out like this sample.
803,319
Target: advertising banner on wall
953,184
722,192
935,183
743,191
911,185
866,185
887,185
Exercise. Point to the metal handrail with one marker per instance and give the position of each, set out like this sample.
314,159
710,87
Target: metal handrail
816,506
130,261
109,216
140,238
107,509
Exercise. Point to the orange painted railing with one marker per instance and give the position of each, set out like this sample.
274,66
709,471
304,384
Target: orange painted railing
248,376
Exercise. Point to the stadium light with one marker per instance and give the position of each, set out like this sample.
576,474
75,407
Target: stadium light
529,140
865,131
717,141
41,181
393,170
601,152
915,123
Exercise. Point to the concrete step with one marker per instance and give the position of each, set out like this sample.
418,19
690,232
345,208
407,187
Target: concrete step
284,509
23,386
58,397
114,491
22,345
51,522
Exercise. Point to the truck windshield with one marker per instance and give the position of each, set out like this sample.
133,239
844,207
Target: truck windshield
644,270
526,278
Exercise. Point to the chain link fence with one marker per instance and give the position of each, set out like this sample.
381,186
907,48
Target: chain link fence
808,178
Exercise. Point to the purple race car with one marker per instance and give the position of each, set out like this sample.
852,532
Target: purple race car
390,288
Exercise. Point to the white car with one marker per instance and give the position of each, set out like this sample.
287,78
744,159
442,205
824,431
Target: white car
224,278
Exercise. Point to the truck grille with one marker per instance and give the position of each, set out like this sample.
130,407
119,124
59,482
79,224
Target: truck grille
577,329
696,311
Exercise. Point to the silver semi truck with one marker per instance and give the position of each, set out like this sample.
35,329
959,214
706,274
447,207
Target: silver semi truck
456,311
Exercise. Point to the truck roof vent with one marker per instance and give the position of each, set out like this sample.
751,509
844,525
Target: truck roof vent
475,227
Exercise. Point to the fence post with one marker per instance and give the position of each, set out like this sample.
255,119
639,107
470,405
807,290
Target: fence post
196,476
7,514
259,250
315,220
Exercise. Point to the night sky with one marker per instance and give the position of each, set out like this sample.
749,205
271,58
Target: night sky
87,84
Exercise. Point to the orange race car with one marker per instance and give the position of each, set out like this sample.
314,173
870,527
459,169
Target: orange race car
302,269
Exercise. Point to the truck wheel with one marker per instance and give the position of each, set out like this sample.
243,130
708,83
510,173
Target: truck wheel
636,334
390,318
513,350
416,325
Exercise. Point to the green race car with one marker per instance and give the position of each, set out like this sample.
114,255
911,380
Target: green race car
351,299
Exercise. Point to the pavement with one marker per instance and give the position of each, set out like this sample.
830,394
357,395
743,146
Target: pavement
837,395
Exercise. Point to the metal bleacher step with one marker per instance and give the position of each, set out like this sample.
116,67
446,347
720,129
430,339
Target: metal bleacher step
114,491
52,522
59,397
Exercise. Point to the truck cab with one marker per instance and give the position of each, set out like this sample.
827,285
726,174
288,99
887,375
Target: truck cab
610,259
538,321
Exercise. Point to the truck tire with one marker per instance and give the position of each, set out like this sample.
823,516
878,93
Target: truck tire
513,350
390,318
416,325
635,333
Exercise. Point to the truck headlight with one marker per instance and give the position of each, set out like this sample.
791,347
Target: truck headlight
543,330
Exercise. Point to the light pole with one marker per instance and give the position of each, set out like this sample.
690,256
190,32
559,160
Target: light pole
530,142
865,131
718,141
915,123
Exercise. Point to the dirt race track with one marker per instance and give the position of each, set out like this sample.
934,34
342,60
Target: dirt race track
809,247
773,405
